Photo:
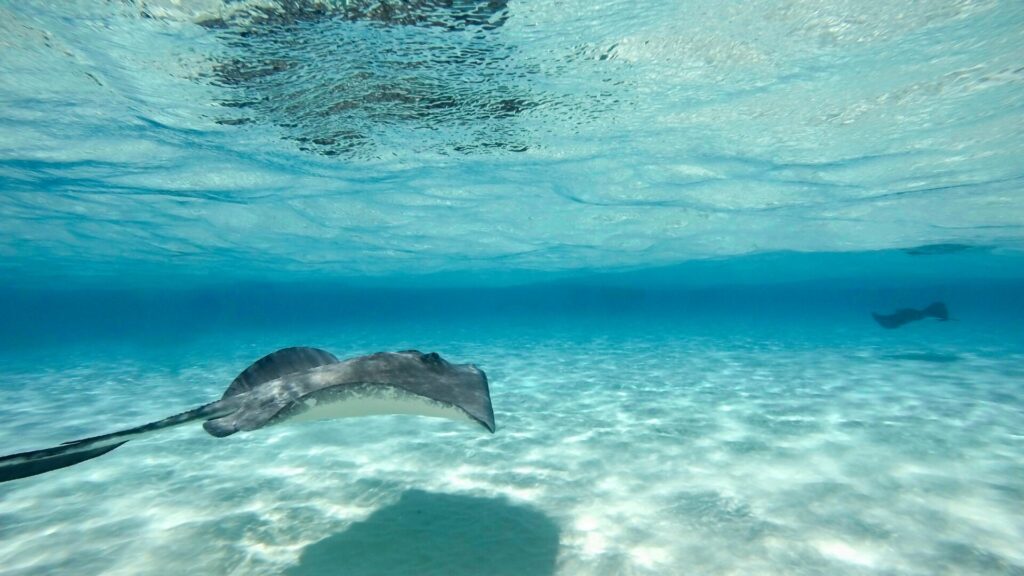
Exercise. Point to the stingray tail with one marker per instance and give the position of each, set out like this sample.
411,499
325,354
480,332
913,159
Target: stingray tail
34,462
38,461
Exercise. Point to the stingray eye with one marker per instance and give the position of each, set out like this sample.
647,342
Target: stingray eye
433,359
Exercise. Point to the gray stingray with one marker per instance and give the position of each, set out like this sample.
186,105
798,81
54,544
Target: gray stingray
905,315
297,384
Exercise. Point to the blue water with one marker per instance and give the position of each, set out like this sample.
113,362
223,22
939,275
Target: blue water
660,228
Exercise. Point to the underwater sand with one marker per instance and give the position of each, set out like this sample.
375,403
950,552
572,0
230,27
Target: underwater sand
618,453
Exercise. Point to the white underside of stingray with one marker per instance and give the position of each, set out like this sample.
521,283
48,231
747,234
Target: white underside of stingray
383,401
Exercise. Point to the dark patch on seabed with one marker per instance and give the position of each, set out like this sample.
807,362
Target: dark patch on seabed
427,533
334,77
934,357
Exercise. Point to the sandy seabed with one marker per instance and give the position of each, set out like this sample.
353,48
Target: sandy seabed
629,454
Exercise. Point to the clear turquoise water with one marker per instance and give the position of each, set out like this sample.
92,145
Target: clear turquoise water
659,228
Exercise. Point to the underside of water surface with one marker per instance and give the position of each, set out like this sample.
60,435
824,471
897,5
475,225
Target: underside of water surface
681,239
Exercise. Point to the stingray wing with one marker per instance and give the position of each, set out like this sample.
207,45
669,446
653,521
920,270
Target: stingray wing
277,364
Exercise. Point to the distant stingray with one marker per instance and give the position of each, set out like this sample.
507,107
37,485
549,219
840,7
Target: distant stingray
903,316
302,384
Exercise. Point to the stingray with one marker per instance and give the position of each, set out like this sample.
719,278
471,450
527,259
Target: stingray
302,384
905,315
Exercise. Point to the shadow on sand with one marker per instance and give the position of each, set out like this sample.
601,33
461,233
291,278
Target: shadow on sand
935,357
426,533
